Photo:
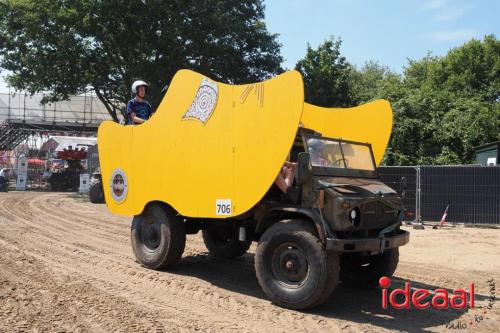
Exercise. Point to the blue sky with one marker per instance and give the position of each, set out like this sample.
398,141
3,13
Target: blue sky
388,31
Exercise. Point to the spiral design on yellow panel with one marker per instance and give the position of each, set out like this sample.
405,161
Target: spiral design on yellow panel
204,102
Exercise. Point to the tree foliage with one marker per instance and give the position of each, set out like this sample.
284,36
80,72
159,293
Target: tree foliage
327,75
65,46
443,106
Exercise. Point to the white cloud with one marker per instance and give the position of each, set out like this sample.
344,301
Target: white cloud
445,10
435,4
452,14
455,35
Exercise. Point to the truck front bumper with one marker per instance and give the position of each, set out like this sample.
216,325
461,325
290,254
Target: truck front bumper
378,244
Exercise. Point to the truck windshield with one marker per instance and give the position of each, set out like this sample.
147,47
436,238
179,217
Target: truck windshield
339,154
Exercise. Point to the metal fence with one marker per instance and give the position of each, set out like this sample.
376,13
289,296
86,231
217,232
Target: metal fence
93,159
472,192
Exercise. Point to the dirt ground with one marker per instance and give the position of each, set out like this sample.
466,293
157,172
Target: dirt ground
67,266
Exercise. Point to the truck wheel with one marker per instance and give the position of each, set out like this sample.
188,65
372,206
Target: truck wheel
292,267
223,242
158,237
96,193
365,271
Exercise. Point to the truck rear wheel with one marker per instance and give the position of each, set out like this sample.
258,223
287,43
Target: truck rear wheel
223,242
365,271
292,267
158,237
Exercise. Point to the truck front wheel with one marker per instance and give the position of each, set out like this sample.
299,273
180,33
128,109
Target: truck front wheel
292,266
158,237
365,271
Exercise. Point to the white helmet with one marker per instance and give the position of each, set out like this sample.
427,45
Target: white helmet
137,84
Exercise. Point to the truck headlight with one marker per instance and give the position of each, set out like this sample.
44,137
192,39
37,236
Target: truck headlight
355,217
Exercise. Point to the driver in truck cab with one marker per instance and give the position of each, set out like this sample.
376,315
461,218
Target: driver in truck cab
138,109
316,152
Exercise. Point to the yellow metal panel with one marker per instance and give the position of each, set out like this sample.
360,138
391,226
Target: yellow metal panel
190,159
370,122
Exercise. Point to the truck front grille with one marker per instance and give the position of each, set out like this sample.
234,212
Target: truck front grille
375,215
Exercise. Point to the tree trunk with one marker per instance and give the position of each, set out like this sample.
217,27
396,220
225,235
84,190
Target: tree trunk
107,105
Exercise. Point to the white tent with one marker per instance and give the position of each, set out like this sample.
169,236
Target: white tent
59,143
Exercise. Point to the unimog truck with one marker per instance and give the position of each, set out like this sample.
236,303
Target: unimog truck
207,161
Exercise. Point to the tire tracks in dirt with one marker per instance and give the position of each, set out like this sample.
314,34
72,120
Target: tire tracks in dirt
73,245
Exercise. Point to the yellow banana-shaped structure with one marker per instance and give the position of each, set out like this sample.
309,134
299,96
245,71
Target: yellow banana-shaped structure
212,150
370,123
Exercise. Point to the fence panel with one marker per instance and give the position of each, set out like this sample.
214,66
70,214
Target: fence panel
473,193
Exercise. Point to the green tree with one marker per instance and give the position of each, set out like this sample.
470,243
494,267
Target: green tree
65,46
472,70
327,75
445,106
371,80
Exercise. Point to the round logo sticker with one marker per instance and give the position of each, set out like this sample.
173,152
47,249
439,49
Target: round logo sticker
119,185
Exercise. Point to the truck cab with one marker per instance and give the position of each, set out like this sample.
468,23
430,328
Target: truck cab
337,185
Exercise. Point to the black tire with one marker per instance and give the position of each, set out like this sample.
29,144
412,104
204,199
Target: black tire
365,271
158,237
96,192
4,185
284,250
222,242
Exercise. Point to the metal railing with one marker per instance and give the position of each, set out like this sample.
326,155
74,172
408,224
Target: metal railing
83,109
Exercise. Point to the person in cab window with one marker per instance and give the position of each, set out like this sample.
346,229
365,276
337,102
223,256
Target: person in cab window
138,109
316,151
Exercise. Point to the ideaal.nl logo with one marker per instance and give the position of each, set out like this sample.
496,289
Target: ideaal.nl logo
460,298
419,298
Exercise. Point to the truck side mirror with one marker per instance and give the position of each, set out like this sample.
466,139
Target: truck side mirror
304,170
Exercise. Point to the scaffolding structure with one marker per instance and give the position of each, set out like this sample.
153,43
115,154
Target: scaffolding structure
22,115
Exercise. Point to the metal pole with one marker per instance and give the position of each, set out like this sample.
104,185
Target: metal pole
9,106
84,106
54,120
418,216
417,222
24,108
91,102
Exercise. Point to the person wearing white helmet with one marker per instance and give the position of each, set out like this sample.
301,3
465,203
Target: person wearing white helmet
138,109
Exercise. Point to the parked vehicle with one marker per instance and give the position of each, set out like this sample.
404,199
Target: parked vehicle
96,191
68,178
4,179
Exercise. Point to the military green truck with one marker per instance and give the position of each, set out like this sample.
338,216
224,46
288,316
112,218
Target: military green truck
213,151
338,222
